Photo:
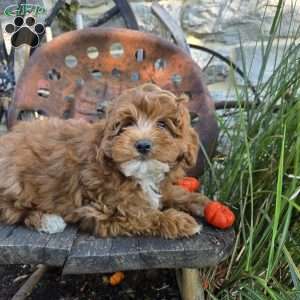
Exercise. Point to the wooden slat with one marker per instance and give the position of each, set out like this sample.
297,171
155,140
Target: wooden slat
172,26
59,246
208,248
20,245
5,231
84,253
94,255
90,250
161,252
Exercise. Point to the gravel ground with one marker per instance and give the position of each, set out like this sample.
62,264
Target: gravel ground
139,285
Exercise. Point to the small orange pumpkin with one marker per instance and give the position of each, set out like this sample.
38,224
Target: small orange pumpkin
190,184
219,215
116,278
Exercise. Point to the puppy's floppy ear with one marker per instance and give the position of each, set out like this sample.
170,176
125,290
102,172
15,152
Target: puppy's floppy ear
189,135
182,99
190,154
103,149
108,108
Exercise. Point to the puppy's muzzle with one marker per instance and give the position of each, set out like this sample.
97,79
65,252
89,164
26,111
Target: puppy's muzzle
143,146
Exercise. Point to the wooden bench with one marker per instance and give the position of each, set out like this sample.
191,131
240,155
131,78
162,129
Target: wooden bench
79,253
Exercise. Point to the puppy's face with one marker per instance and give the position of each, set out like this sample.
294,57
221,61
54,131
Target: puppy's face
149,124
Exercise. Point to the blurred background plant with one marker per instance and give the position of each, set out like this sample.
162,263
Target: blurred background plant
257,172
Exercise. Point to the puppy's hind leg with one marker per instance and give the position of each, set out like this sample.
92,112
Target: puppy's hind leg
48,223
38,220
11,215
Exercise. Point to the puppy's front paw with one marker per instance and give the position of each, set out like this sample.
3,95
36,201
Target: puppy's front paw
51,223
176,224
197,205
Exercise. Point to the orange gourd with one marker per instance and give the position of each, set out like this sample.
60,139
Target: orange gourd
219,215
190,184
116,278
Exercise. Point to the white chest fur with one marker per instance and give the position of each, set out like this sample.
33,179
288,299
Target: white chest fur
149,174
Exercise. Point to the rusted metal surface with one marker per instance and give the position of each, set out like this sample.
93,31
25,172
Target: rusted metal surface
77,73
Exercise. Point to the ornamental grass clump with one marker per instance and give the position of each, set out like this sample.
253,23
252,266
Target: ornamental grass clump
257,173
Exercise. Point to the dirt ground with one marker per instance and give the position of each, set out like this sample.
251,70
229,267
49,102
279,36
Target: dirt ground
139,285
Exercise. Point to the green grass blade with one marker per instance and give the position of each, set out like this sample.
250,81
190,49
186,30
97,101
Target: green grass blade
277,209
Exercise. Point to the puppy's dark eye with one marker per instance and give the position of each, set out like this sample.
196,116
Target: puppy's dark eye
128,123
161,124
121,126
116,126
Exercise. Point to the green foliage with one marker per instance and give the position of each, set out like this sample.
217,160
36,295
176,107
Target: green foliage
258,175
66,16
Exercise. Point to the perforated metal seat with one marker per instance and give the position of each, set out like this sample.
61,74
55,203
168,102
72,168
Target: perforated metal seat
77,73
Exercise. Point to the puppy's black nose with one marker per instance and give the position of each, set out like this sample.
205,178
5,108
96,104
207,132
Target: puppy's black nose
143,146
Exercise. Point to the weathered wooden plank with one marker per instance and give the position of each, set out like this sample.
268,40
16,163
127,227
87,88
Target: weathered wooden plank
59,246
171,24
208,248
20,245
161,252
124,254
94,255
88,254
215,246
92,251
5,231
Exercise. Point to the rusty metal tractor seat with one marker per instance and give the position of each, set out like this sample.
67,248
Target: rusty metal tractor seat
74,76
77,73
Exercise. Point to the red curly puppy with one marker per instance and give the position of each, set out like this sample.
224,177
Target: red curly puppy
114,177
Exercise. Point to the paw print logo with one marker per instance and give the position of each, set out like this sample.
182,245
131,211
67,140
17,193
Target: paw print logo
25,32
